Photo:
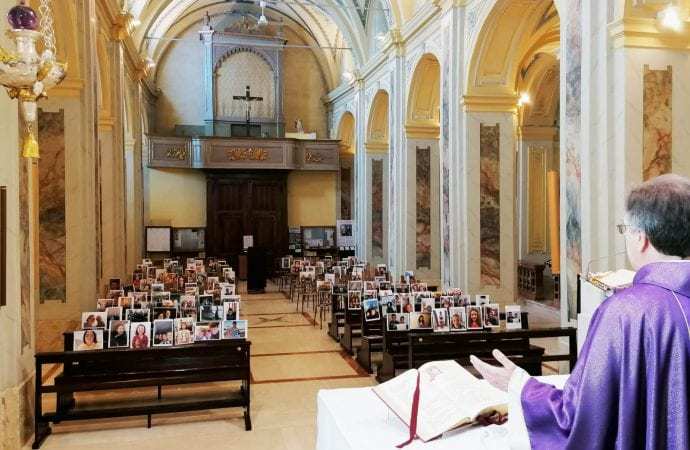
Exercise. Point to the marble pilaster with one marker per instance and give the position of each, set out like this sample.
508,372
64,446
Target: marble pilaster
492,266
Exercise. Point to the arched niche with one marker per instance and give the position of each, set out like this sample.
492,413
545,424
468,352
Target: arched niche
377,127
346,135
423,112
422,127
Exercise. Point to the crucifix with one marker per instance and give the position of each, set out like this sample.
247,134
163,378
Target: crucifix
248,99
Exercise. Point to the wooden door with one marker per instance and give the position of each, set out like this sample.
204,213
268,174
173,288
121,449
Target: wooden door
240,204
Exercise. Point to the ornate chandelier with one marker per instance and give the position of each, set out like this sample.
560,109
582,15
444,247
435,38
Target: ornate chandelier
25,74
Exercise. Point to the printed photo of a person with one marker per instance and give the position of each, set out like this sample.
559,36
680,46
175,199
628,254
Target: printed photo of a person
420,320
91,320
354,299
119,334
184,331
474,318
457,319
403,322
163,333
140,333
88,340
371,310
440,319
235,329
491,316
231,310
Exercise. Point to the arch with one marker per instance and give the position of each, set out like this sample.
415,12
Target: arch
225,56
423,104
346,133
541,81
244,68
377,127
512,33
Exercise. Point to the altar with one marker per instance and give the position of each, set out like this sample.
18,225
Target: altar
356,419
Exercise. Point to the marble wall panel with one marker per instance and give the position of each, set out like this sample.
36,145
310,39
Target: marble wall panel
52,233
490,204
573,173
345,193
657,118
377,209
423,199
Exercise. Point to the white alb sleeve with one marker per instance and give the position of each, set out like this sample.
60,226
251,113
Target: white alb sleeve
519,438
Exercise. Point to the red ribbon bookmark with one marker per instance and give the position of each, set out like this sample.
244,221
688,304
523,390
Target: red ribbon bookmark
413,416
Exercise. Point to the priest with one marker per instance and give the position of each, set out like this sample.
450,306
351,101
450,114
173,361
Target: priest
630,388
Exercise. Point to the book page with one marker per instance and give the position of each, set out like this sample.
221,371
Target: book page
397,394
451,396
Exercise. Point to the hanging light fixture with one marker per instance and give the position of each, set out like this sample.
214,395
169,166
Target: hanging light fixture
263,21
25,74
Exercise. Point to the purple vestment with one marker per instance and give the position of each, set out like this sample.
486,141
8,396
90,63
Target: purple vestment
630,388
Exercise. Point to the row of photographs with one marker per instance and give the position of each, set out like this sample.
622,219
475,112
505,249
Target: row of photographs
164,333
159,290
417,302
204,312
451,319
141,300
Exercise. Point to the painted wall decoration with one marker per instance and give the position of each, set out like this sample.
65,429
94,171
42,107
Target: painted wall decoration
377,209
573,173
657,119
345,193
423,197
51,191
490,204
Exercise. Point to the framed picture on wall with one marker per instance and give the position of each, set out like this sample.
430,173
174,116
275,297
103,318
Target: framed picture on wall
158,239
315,238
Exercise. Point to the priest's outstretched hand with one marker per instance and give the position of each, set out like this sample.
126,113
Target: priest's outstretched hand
497,376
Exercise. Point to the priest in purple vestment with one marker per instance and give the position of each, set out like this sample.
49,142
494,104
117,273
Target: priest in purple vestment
630,388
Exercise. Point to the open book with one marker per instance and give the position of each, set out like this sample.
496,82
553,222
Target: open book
449,397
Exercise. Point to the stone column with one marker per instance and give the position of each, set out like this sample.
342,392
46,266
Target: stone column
360,211
209,94
397,160
454,253
17,317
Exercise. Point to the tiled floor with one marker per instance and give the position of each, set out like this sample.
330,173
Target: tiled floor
291,360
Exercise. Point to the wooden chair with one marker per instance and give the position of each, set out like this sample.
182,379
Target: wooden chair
307,293
324,304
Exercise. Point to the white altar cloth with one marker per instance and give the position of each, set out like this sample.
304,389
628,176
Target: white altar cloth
356,419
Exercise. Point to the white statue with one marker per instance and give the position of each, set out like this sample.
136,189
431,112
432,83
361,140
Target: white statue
298,126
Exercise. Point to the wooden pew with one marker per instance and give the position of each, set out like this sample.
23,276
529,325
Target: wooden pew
371,341
111,369
337,315
426,347
352,330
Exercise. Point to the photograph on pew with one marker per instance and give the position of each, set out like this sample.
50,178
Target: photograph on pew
95,319
513,317
474,318
138,315
140,334
354,300
235,329
207,331
458,318
113,313
118,334
85,340
163,332
491,316
397,322
420,320
184,331
231,310
372,313
439,320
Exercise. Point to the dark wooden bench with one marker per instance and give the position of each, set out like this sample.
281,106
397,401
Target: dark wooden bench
352,330
371,341
337,316
110,369
426,347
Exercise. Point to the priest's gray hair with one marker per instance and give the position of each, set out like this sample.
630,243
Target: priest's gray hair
660,208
